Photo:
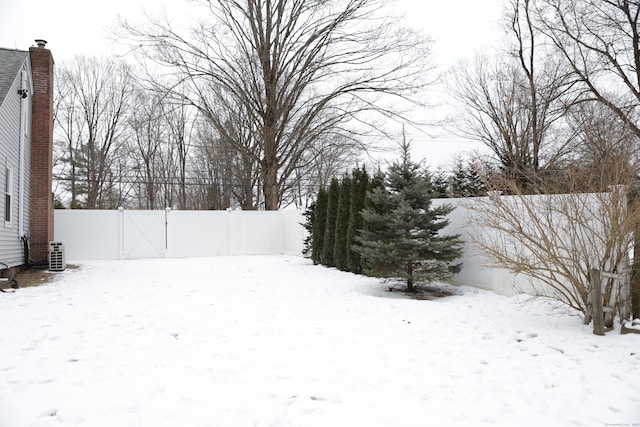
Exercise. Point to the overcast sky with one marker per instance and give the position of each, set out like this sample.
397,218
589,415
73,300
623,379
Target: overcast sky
72,27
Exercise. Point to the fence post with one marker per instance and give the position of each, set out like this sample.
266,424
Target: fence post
166,231
596,297
121,235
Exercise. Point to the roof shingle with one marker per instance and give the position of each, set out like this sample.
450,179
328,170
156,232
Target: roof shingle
11,61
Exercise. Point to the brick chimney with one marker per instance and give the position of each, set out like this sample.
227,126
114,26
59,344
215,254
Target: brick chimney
41,208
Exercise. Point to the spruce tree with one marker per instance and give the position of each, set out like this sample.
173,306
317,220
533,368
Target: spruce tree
466,181
342,224
475,183
459,184
375,184
401,238
359,186
330,226
440,184
319,225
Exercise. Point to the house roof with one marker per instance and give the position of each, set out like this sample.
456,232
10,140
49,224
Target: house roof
11,61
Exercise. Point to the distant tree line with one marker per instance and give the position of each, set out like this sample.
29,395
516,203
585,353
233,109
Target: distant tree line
120,144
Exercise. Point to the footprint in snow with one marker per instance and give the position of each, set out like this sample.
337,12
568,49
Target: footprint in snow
50,413
521,337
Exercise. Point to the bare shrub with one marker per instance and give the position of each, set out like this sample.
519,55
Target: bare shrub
556,237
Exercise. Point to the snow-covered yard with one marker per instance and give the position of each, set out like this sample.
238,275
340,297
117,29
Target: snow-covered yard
276,341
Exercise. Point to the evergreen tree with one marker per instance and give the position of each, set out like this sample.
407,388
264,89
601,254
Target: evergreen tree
440,184
330,226
459,184
377,182
319,225
475,183
402,237
308,214
342,224
359,186
466,181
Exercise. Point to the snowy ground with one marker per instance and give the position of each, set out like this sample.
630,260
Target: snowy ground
276,341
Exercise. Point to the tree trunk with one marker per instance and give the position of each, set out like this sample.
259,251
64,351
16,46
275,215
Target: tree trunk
73,189
271,189
270,162
410,287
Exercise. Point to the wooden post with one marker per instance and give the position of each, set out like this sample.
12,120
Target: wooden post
616,280
624,302
588,313
596,297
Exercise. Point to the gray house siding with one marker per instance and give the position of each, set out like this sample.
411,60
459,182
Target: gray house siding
14,109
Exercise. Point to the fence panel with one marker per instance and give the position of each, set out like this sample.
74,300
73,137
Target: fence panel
256,233
89,234
294,232
197,233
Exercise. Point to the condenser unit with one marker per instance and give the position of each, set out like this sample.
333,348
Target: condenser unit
56,256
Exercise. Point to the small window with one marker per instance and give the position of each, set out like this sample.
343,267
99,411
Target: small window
8,195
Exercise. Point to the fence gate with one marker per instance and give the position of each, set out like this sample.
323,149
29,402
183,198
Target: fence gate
144,234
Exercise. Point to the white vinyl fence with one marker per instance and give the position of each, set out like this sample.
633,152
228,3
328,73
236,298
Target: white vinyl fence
473,271
130,234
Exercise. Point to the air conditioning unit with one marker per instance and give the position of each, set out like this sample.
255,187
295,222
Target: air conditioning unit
56,256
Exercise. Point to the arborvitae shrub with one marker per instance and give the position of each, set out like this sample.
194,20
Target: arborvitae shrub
329,230
342,224
319,225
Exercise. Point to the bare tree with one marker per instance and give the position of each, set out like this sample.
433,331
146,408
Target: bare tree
556,239
69,136
226,177
600,42
300,69
602,141
180,122
149,132
242,151
513,102
91,119
326,159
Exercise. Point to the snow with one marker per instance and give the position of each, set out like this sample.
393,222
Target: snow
635,324
276,341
